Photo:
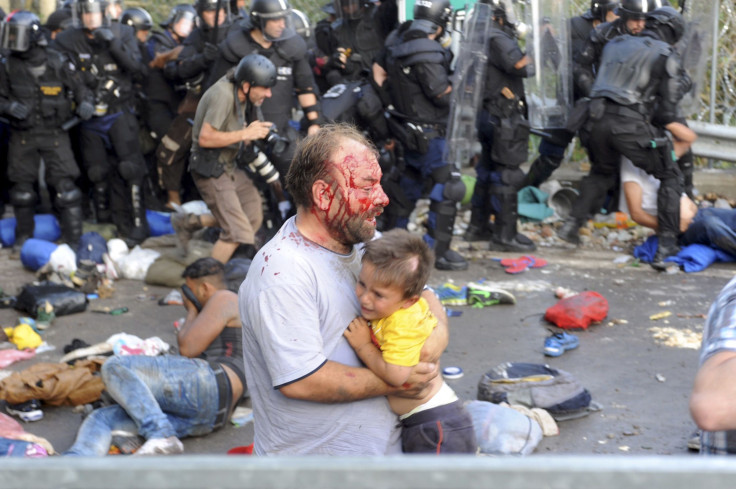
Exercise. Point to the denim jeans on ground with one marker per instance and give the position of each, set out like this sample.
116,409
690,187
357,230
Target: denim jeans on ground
158,397
713,227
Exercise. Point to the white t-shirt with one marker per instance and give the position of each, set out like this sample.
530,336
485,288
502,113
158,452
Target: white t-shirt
295,304
649,187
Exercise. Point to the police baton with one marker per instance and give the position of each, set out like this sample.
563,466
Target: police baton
70,123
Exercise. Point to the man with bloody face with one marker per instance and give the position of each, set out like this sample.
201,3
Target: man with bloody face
297,304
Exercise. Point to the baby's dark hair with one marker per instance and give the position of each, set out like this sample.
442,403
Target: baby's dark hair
204,267
401,259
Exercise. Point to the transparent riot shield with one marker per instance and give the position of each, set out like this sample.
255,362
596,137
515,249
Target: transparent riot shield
694,48
467,86
549,91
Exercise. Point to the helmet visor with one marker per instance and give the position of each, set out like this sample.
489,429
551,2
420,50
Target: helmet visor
183,24
89,15
277,27
16,37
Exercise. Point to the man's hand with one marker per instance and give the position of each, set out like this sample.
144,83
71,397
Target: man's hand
85,110
358,333
419,381
255,130
103,36
17,110
210,51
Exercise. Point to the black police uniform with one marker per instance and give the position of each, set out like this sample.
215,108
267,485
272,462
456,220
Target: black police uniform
110,140
44,83
418,70
580,29
503,131
586,62
636,74
294,76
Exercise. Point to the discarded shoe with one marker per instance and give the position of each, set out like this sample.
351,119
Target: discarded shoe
693,443
452,295
482,295
161,446
27,411
126,442
559,343
518,265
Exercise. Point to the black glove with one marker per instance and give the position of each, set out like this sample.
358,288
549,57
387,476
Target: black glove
103,35
85,110
210,52
17,110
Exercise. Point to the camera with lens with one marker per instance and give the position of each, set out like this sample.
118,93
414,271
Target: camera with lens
275,143
256,162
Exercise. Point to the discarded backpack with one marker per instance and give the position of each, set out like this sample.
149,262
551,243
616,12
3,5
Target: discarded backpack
537,386
578,311
63,299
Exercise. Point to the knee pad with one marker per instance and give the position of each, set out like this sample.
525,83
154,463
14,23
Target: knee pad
67,194
23,195
97,173
513,177
131,170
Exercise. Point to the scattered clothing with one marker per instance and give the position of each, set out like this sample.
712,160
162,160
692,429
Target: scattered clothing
691,258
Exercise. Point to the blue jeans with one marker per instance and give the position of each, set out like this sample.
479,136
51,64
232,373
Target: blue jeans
713,227
158,397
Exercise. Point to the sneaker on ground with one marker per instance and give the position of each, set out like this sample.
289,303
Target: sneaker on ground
161,446
127,442
452,295
481,295
559,343
27,411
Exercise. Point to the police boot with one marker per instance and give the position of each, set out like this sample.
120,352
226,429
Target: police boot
667,246
505,236
541,169
479,228
101,198
570,230
686,168
445,258
23,198
71,225
140,230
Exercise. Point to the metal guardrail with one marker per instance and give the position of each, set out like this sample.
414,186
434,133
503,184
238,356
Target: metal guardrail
400,472
714,141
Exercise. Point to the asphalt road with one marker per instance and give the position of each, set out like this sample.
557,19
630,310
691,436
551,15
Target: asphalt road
642,383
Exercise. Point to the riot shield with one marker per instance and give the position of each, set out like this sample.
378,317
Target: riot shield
467,86
549,91
694,48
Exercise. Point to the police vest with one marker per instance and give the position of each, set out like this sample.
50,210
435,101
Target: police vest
47,96
504,89
361,37
407,96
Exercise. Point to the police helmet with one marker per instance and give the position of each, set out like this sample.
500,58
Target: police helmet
178,12
436,11
209,5
261,11
137,18
257,70
599,8
349,9
59,19
634,9
21,30
82,7
668,23
301,24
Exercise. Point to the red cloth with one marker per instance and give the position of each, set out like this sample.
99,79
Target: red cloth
578,311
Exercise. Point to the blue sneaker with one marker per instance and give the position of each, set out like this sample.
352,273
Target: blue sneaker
559,343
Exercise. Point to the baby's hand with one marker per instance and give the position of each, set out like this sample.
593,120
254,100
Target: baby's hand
358,333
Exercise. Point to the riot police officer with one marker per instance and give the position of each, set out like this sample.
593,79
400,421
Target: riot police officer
357,37
162,97
504,136
141,22
637,76
107,56
227,140
36,90
418,78
268,31
601,11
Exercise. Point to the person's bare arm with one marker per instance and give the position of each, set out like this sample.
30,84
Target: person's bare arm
633,193
359,336
200,329
711,401
209,137
440,337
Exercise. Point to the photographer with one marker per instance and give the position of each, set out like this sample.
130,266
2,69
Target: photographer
227,127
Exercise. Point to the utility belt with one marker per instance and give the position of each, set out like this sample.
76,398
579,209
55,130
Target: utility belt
415,136
432,131
633,111
224,395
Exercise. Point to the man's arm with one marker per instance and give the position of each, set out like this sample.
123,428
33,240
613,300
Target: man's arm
633,193
440,337
201,329
209,137
711,402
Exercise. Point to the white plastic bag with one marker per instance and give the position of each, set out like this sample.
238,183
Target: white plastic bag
502,430
135,264
63,259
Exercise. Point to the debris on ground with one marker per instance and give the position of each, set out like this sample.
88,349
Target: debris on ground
676,338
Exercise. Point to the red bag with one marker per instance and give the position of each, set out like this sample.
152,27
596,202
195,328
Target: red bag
578,311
